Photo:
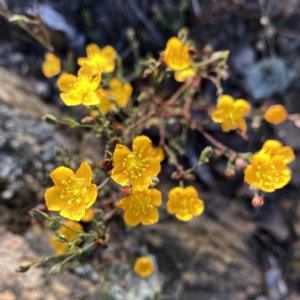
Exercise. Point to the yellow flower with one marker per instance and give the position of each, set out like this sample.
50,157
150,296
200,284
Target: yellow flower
140,207
276,114
181,76
51,65
177,58
120,92
136,167
230,113
72,193
101,61
60,247
88,215
105,104
184,203
143,266
159,153
273,147
82,89
266,172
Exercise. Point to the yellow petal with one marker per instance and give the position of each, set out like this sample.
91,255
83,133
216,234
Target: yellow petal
82,61
241,124
75,211
190,192
131,219
91,98
51,65
175,192
227,126
61,174
181,76
143,145
108,67
271,146
250,176
91,195
109,52
127,92
287,154
198,208
156,197
184,217
85,172
118,175
115,84
66,82
151,216
159,153
53,200
121,152
88,215
86,71
217,116
242,107
70,100
174,42
93,50
260,159
125,203
225,102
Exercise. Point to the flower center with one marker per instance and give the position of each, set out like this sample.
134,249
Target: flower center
135,165
140,204
74,190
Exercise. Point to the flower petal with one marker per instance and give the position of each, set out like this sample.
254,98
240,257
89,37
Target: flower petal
115,84
271,146
118,175
198,207
86,71
85,172
109,52
250,176
121,152
70,100
156,197
241,107
287,154
181,76
66,82
91,98
225,102
60,174
93,50
53,200
241,124
125,203
151,216
184,217
143,145
217,116
131,219
91,195
227,126
74,211
190,192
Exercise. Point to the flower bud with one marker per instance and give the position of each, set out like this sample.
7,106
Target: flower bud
55,270
88,120
60,237
48,118
125,191
206,154
106,165
257,201
24,267
102,244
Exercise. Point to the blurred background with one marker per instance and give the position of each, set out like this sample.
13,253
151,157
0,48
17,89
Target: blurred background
234,251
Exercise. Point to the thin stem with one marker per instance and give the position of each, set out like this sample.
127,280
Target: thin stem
99,187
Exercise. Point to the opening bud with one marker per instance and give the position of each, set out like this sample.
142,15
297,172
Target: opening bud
55,270
24,267
48,118
206,154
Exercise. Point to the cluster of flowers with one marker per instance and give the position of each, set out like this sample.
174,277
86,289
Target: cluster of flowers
138,168
85,88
